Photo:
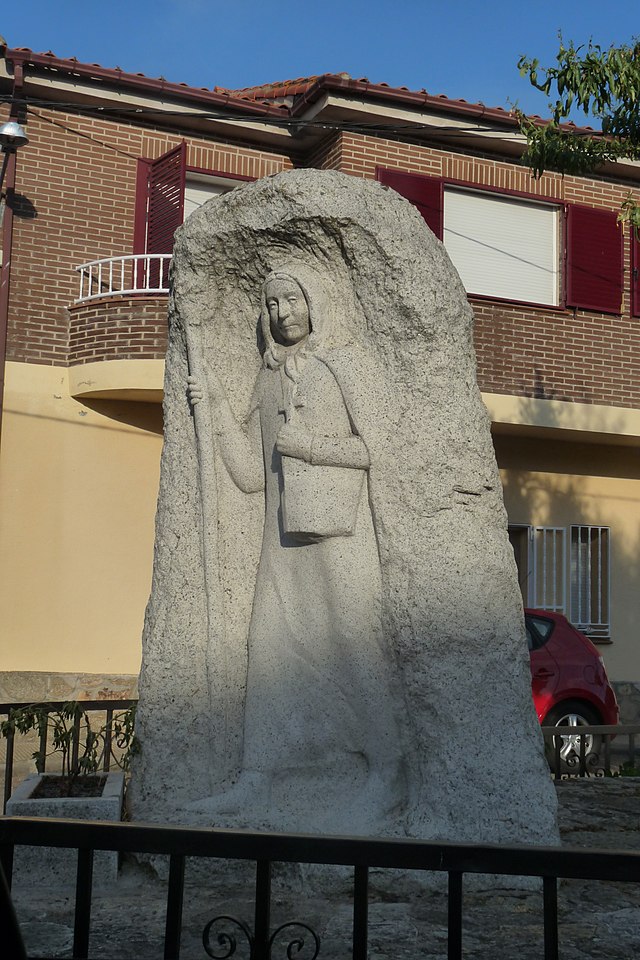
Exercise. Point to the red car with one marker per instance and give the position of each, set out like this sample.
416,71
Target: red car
569,681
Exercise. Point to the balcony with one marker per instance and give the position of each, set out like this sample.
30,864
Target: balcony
138,274
118,328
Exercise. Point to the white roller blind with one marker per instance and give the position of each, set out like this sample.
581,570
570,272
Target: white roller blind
503,247
199,188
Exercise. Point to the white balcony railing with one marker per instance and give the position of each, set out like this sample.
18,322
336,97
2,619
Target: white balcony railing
115,276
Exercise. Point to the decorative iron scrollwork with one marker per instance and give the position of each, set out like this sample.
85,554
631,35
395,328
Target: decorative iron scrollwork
593,766
227,942
297,943
226,939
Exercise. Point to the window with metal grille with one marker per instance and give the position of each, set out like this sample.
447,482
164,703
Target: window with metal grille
540,554
547,585
590,579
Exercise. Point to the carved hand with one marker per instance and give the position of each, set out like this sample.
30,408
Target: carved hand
195,393
212,390
294,442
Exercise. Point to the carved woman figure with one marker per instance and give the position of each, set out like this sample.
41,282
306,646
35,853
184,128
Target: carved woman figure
320,702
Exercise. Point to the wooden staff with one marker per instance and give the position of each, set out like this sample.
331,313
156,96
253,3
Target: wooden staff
217,654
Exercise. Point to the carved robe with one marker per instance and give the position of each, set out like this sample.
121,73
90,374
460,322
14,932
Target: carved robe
318,690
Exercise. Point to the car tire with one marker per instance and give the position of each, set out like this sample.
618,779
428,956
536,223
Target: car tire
573,713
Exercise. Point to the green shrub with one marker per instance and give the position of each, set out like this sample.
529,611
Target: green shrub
70,724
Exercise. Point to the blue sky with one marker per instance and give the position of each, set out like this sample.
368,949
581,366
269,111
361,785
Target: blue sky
461,49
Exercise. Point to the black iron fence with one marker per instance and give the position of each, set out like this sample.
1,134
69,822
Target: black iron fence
592,750
221,933
102,711
584,751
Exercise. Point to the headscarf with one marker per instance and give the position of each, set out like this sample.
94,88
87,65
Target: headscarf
318,303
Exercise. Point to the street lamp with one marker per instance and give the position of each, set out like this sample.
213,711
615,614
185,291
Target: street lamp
12,137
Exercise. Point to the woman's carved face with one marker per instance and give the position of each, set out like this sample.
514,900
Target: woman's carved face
288,311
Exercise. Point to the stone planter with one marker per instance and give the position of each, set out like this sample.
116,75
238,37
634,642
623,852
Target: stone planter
57,865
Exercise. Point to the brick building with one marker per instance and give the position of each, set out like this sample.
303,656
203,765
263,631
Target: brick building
115,161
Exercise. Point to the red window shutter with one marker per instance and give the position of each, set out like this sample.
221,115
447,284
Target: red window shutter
594,260
425,193
166,199
142,204
635,273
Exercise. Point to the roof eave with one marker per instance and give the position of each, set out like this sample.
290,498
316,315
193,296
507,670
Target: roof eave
418,99
140,83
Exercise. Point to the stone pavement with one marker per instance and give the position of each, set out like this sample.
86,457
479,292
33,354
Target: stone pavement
597,920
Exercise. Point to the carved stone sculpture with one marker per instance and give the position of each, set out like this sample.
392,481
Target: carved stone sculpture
334,641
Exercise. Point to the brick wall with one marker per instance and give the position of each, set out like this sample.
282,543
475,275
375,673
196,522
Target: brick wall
217,157
557,354
575,356
76,182
76,198
73,177
329,155
124,328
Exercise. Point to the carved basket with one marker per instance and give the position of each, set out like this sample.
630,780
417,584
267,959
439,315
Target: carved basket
320,501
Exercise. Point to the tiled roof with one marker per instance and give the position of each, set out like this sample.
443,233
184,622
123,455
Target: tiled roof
282,96
49,60
302,85
279,88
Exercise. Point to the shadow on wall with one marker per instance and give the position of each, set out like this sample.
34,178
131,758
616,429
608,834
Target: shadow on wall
21,206
144,416
559,481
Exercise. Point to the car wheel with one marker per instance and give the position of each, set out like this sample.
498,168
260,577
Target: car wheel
573,714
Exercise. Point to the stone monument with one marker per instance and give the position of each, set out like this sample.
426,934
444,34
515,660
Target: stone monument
334,641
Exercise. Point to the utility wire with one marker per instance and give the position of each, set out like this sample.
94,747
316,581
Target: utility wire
284,122
80,133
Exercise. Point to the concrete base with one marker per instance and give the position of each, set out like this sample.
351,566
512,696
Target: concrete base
52,865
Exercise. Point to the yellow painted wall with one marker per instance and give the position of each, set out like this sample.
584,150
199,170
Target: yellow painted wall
78,490
552,483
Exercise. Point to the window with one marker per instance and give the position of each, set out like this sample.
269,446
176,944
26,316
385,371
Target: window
511,248
594,260
590,575
167,192
545,565
538,631
200,187
519,538
425,193
503,247
540,559
635,273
